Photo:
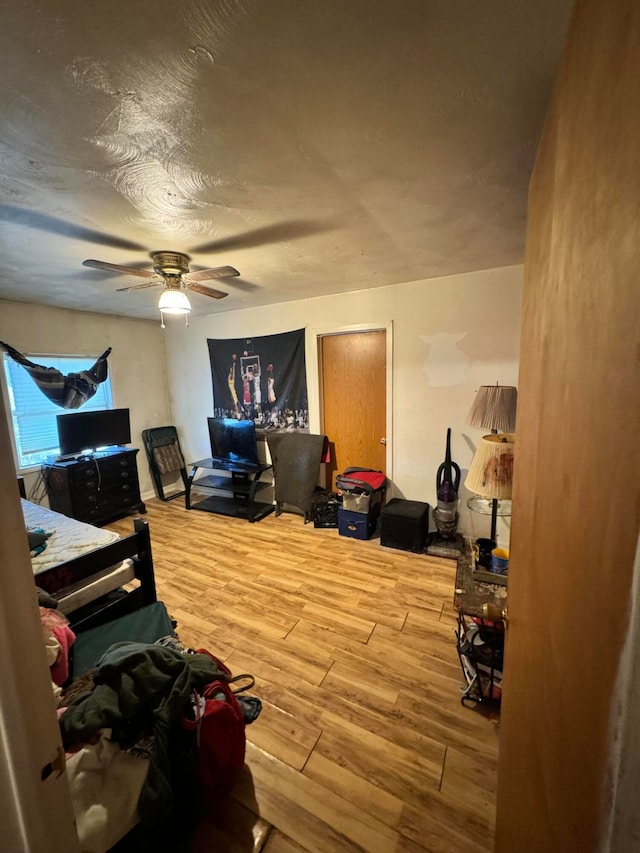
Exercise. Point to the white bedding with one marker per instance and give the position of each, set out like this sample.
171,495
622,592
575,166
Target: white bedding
70,538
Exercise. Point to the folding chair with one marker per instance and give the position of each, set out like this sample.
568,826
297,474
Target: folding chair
165,457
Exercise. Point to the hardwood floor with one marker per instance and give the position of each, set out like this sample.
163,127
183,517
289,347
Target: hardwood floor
362,743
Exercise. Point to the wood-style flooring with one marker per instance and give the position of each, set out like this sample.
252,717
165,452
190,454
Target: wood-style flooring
362,743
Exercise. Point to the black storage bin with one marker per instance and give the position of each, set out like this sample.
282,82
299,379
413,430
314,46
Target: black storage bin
404,525
324,509
357,525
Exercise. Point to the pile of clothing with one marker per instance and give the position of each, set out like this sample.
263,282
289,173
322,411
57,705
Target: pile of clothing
131,760
58,639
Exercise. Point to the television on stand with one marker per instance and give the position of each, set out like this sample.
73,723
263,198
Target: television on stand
233,442
82,432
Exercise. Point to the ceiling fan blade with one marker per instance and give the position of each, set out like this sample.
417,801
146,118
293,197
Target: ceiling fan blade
207,291
53,225
213,272
103,265
281,231
141,286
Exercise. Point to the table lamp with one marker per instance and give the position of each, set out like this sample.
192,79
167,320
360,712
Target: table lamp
491,471
494,408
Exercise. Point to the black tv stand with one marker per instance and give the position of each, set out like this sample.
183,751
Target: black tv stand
68,457
89,454
232,494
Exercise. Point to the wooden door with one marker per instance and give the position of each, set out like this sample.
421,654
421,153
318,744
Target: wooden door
576,492
354,395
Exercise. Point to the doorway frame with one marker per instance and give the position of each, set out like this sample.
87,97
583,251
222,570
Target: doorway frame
316,402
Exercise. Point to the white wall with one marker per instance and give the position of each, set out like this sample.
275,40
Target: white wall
450,336
136,364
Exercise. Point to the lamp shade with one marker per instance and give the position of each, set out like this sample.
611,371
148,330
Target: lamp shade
174,301
491,471
494,408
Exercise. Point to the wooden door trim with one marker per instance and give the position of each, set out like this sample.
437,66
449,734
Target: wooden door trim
316,410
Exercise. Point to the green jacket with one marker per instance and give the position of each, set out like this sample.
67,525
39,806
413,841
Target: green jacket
140,689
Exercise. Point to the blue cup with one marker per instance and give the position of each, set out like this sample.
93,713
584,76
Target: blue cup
499,561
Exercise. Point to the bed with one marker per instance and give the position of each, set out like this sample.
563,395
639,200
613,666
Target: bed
86,568
108,775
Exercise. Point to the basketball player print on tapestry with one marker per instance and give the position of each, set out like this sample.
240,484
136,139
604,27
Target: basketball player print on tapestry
261,379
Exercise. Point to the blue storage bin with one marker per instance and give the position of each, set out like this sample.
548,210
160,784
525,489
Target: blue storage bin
357,525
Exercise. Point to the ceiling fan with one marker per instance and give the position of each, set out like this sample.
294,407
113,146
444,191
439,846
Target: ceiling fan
171,269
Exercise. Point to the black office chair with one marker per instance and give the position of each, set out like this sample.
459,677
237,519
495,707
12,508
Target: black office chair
296,459
165,459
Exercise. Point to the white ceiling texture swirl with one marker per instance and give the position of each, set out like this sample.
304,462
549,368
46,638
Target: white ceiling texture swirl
316,147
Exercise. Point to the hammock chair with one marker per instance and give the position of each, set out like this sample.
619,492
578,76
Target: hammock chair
69,392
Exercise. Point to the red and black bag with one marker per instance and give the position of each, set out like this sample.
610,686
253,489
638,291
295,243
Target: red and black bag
217,719
363,480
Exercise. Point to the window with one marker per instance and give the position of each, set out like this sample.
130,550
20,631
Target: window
34,416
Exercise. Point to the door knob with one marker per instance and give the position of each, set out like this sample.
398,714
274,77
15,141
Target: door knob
383,441
495,613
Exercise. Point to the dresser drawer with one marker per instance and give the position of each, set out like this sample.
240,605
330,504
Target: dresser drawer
98,508
97,489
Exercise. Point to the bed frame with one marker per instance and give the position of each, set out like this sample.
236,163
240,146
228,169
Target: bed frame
136,547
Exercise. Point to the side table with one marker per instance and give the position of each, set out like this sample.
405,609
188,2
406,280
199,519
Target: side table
479,640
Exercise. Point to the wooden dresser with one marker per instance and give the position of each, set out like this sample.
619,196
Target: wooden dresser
96,488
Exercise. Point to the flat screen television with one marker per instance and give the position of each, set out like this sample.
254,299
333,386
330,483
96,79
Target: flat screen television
80,431
233,441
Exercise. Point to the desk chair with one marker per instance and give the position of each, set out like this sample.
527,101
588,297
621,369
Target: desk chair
296,459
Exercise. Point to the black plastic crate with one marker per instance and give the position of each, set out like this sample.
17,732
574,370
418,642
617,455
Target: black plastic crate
324,509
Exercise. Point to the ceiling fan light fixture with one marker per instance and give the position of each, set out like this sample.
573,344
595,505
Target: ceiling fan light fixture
174,302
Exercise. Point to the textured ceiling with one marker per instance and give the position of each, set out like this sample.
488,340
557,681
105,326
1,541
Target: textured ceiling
316,147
